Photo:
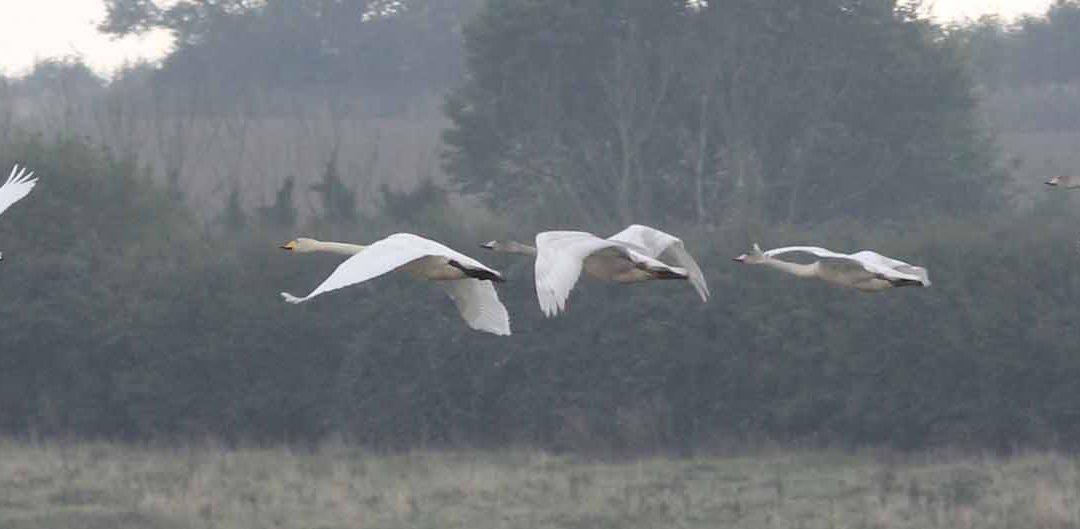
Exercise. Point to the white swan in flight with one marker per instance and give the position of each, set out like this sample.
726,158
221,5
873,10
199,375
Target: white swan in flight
1067,182
18,185
629,256
865,270
668,248
466,280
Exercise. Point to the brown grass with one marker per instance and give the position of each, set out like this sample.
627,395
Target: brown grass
62,485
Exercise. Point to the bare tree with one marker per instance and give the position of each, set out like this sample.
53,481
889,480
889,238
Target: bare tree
636,87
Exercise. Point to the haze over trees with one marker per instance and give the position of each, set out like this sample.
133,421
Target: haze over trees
382,54
141,278
675,112
1028,73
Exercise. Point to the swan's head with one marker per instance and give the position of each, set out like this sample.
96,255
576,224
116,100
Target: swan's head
300,245
754,257
1054,181
492,245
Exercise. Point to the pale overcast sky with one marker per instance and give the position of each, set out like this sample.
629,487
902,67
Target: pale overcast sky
37,29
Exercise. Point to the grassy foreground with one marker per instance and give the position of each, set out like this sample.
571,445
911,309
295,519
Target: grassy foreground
97,485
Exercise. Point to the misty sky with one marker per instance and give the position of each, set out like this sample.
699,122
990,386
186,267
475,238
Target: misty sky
38,29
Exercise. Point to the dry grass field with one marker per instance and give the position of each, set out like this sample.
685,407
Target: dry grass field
109,486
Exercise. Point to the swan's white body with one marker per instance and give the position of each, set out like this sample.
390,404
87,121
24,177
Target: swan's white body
466,280
18,185
866,270
630,256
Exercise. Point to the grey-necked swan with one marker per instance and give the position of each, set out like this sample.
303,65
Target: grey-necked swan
865,270
466,280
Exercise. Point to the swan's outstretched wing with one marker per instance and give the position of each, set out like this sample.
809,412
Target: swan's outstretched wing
18,185
906,270
865,261
479,305
840,262
655,243
430,247
377,259
812,250
560,256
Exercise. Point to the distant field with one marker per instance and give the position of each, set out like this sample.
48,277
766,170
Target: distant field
92,485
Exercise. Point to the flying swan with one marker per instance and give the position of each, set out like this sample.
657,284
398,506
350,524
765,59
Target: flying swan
18,185
630,256
1067,182
466,280
867,271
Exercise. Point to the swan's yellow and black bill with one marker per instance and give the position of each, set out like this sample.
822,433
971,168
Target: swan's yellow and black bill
289,245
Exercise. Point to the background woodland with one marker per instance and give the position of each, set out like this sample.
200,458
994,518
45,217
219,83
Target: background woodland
141,278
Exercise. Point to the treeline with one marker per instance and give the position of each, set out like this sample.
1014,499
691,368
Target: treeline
259,96
1028,73
386,54
788,111
1035,50
129,312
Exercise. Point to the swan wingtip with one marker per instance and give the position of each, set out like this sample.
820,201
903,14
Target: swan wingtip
289,298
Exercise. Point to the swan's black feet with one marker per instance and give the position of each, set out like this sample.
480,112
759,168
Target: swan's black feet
477,273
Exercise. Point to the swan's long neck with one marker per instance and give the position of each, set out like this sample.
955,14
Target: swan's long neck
343,248
796,269
519,248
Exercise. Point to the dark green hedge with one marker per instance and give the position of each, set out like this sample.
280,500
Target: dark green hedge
122,317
